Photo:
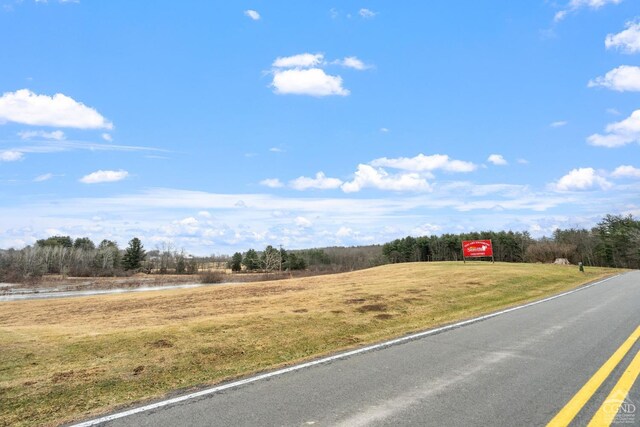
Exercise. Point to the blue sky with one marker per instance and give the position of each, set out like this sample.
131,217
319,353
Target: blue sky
221,126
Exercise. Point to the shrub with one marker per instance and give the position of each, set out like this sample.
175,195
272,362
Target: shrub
208,277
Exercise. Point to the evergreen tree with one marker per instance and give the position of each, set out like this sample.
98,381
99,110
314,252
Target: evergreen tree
251,260
294,262
64,241
181,263
134,255
236,262
84,243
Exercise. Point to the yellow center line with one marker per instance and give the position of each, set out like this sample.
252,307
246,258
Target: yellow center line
611,405
571,409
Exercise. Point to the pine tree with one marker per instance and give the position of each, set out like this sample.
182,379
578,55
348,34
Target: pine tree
251,260
134,255
236,262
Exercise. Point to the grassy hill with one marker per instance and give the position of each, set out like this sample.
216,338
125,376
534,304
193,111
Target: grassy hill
67,359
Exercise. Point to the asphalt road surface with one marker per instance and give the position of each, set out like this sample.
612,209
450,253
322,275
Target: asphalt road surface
518,368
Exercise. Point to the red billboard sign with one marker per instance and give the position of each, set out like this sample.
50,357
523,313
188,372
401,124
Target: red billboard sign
477,248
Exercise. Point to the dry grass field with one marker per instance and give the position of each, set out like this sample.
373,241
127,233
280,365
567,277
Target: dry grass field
68,359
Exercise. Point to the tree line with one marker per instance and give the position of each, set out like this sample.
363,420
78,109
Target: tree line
315,260
613,242
79,257
270,259
508,246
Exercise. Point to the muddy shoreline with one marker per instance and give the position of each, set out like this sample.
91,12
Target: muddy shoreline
58,286
63,283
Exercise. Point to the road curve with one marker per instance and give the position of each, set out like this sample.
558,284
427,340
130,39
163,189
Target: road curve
518,368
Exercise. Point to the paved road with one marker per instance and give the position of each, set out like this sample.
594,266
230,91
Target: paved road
519,368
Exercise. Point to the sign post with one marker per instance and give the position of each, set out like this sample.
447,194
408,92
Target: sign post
477,249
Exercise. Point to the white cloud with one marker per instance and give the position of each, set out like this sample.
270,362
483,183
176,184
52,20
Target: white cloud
189,226
104,176
60,146
204,214
190,221
344,232
56,135
523,161
44,177
505,190
313,81
303,60
387,217
619,133
558,123
252,14
352,62
303,222
560,15
320,182
425,230
574,5
26,107
10,156
367,13
422,163
497,160
384,130
593,4
623,78
626,171
627,41
369,177
271,183
107,137
303,74
59,1
417,169
581,179
276,150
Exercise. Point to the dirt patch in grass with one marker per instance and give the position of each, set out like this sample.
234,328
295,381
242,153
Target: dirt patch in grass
61,376
162,344
372,307
78,375
74,358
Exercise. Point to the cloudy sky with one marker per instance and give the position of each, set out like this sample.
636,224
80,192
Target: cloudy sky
225,125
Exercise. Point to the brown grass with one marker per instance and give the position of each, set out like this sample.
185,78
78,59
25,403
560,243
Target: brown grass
72,358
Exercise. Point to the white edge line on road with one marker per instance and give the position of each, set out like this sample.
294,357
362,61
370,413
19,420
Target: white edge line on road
339,356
